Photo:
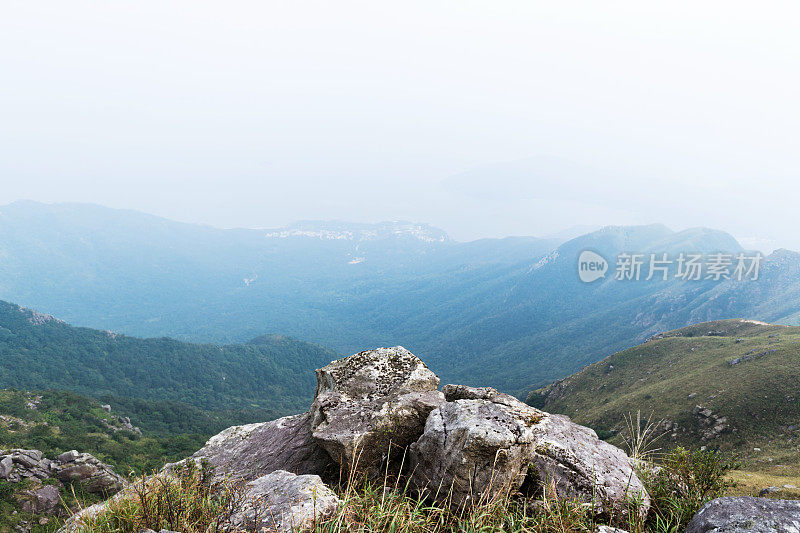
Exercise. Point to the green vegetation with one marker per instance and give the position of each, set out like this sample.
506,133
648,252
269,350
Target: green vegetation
56,421
685,481
272,374
191,503
745,373
63,421
11,494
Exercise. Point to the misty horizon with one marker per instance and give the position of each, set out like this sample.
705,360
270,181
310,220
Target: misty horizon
563,235
485,120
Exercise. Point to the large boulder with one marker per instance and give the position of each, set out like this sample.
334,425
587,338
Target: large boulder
251,451
284,502
93,475
6,466
278,502
484,444
471,451
43,500
370,402
571,460
747,515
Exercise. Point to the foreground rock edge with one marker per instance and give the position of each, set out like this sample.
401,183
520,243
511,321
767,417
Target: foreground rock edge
742,514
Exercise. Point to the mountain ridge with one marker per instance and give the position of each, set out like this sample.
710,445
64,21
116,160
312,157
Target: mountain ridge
509,313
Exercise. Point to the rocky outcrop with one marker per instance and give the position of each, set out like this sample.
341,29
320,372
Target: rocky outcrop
18,464
93,475
277,502
284,502
713,425
463,392
6,466
370,402
747,515
83,518
464,444
484,444
120,423
251,451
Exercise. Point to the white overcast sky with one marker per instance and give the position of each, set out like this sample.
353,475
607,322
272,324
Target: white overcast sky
485,118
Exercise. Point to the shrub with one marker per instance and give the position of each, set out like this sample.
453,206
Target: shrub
685,481
188,501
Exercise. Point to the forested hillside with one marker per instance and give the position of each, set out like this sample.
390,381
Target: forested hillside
273,374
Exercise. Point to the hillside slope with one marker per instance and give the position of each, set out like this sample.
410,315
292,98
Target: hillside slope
731,385
273,373
54,421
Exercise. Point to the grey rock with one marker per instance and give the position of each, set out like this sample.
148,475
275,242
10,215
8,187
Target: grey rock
747,515
93,475
67,457
44,500
284,502
769,490
463,392
25,464
472,451
26,458
572,460
251,451
715,425
369,402
609,529
475,449
6,466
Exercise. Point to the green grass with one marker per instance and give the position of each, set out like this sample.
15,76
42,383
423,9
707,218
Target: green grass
190,502
667,377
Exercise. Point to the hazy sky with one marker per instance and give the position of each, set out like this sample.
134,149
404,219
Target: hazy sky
484,118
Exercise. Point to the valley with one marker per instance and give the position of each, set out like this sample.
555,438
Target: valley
510,313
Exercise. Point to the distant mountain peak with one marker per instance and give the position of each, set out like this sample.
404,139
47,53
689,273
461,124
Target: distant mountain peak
352,231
